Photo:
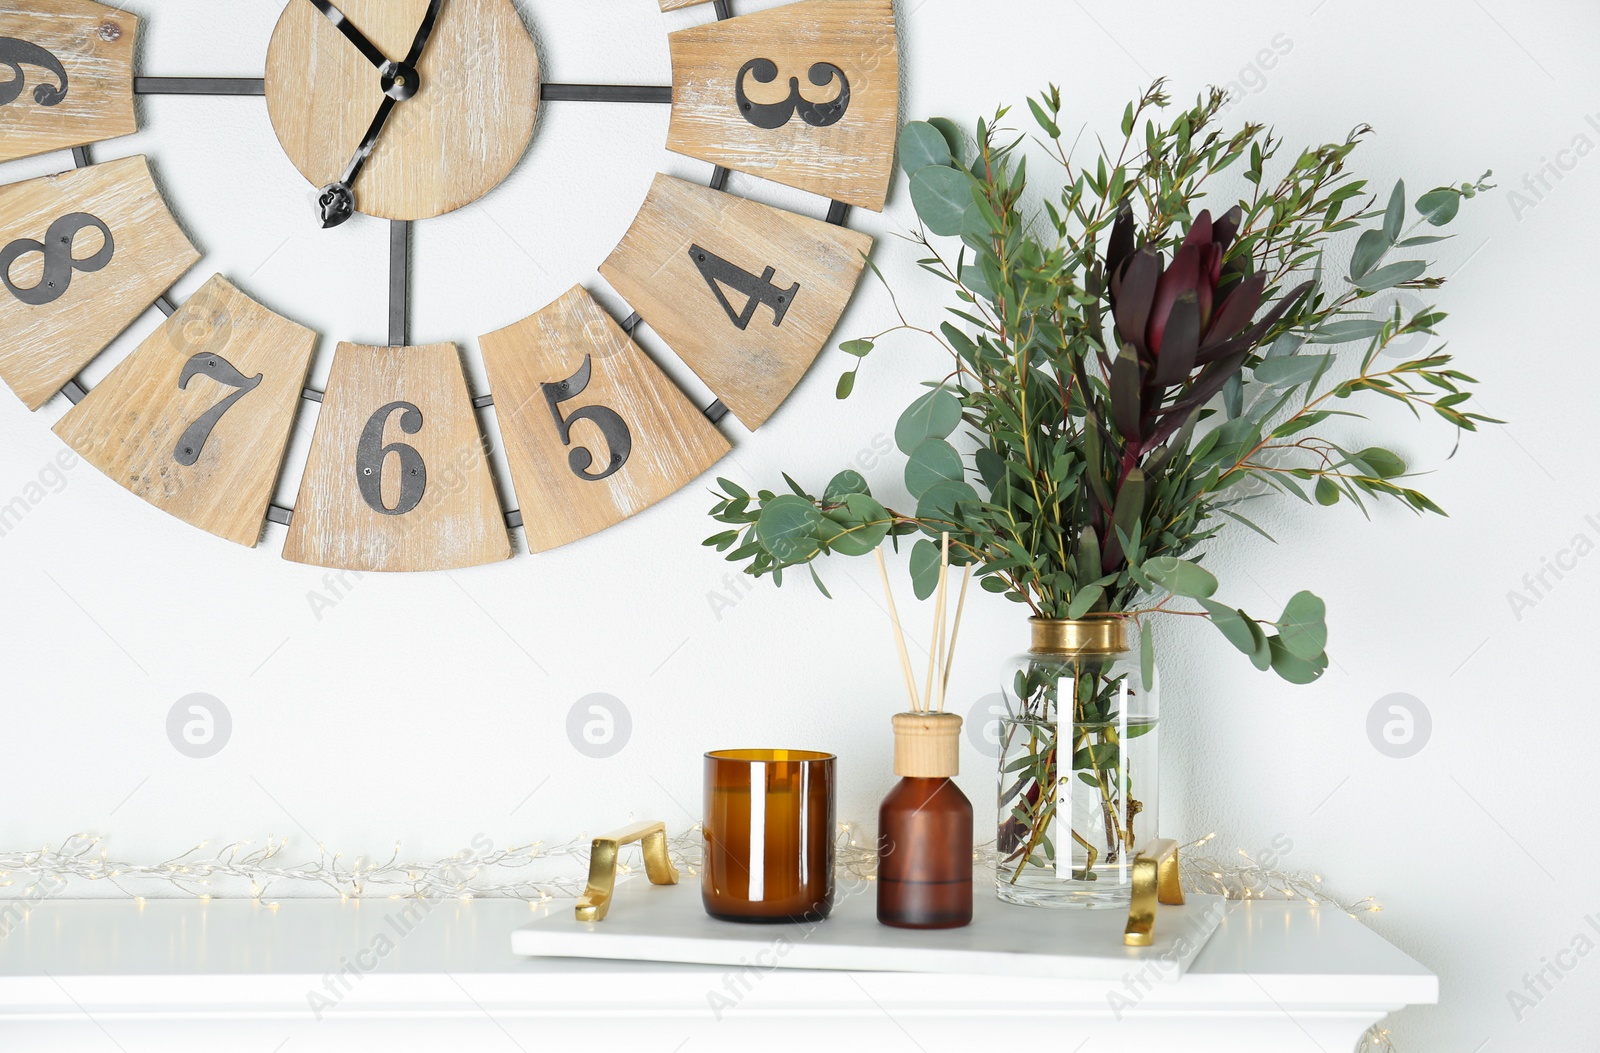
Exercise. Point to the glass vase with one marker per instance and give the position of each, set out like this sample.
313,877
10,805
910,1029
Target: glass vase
1079,780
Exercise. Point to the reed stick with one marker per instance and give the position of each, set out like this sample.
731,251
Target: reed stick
936,647
899,633
955,634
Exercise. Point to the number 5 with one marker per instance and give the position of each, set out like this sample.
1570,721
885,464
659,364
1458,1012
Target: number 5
612,427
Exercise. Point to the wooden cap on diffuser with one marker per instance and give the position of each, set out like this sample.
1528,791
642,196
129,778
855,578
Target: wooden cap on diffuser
927,745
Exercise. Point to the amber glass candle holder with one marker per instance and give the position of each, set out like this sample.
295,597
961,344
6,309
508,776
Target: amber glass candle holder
769,821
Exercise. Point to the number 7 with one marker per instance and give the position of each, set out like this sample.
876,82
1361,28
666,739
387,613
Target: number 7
193,441
612,427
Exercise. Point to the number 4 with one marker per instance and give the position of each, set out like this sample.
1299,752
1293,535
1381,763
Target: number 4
719,272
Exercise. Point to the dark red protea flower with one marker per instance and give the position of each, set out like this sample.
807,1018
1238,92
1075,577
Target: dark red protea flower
1186,328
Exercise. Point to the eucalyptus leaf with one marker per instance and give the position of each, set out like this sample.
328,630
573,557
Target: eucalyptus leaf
1049,126
1291,372
1096,756
860,524
934,415
1303,627
1084,601
1181,577
975,279
1287,344
1369,250
954,138
1088,554
1346,331
922,145
842,485
991,467
788,528
1147,659
1386,464
932,463
1394,218
939,504
1262,657
942,197
1233,396
925,559
1240,629
1440,206
1292,667
1130,504
1392,275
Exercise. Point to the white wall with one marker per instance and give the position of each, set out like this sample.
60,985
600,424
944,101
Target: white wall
428,709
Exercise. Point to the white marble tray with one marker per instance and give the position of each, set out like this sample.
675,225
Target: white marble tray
666,923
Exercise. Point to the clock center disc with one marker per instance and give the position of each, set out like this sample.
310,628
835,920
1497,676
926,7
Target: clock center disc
457,138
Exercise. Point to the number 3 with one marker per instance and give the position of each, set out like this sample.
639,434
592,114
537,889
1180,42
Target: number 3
372,453
612,427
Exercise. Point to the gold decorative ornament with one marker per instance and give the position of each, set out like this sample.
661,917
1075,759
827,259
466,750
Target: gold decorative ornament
595,903
1156,880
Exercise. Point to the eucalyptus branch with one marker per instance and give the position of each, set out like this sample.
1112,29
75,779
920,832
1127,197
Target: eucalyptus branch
1122,361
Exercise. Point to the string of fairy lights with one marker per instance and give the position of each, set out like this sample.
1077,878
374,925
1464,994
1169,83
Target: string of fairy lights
537,872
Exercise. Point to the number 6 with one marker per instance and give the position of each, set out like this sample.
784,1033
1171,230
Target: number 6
372,453
612,426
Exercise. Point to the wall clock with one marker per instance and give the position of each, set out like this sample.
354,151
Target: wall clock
406,110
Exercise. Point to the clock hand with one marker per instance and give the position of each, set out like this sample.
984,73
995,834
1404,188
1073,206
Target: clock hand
337,202
399,78
429,21
352,34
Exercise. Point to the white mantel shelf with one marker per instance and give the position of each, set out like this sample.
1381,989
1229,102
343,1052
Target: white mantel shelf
175,976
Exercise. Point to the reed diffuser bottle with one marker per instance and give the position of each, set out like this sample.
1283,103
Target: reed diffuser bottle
925,824
925,829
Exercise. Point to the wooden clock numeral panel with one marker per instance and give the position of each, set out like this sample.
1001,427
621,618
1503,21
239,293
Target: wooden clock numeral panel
69,65
746,294
594,431
196,421
82,255
807,95
398,478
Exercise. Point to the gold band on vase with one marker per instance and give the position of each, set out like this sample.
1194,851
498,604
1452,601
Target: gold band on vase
1086,636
